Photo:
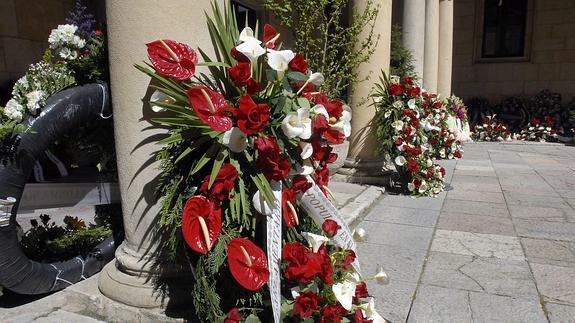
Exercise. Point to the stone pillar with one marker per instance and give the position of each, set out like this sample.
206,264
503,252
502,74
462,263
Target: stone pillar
431,61
362,164
131,277
414,31
445,47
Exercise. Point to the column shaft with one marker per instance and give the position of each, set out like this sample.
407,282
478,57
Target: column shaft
445,47
431,61
414,31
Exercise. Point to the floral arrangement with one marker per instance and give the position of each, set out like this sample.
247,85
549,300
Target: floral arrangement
405,122
441,136
491,130
540,131
246,144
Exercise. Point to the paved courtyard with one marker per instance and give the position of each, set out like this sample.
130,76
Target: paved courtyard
499,246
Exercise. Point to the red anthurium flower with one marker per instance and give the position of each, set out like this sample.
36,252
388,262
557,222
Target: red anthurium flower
288,207
211,107
240,74
300,184
298,64
305,304
234,316
248,264
270,36
222,185
330,227
201,223
252,117
173,59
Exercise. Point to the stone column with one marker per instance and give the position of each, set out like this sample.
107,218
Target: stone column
431,61
362,164
414,31
131,277
445,47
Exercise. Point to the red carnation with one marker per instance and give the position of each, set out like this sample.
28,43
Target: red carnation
298,64
330,227
222,185
253,86
396,89
270,36
233,316
334,107
248,264
333,313
252,117
240,74
305,304
274,165
302,264
173,59
413,166
201,223
211,107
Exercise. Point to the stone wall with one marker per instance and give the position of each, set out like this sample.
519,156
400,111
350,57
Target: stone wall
552,55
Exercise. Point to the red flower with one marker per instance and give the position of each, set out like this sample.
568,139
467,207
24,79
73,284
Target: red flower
173,59
252,117
330,227
248,264
320,124
348,260
322,154
309,87
253,86
334,107
300,184
233,316
222,185
326,273
298,64
270,36
201,223
322,176
334,136
407,80
442,171
457,154
211,107
288,207
429,174
417,183
239,56
413,166
333,313
273,164
360,292
303,265
359,318
98,33
396,89
240,73
305,304
267,145
398,142
415,91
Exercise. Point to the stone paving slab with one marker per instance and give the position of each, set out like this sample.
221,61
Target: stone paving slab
476,223
477,244
549,252
399,215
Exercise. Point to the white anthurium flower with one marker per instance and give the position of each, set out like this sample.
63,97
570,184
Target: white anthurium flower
398,125
369,312
279,60
319,109
297,124
305,169
359,234
411,104
381,277
344,293
306,149
247,34
315,241
316,79
251,49
260,204
344,123
235,139
159,96
400,160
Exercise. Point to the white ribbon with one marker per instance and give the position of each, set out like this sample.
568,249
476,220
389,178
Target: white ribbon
274,250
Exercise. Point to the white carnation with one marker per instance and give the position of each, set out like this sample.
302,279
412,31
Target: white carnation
14,110
34,100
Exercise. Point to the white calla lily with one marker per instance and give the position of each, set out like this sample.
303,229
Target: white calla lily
344,293
344,123
381,277
316,79
251,49
235,139
247,34
315,241
159,96
297,124
359,234
411,104
260,204
306,149
397,125
279,60
400,160
369,312
410,187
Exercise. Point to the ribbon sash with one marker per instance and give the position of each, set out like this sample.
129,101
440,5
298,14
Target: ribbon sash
274,250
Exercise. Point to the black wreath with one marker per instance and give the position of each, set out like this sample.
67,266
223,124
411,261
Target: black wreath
64,112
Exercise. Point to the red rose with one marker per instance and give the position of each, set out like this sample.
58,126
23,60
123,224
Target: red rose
414,123
360,291
309,87
300,184
330,227
359,318
407,80
415,91
98,33
321,176
274,165
334,136
253,87
326,273
233,316
240,74
348,260
417,183
398,142
457,154
395,89
266,145
429,174
322,154
222,185
305,304
413,166
303,265
298,64
332,313
252,117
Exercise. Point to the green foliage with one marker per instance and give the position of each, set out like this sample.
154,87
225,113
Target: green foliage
93,65
331,41
401,59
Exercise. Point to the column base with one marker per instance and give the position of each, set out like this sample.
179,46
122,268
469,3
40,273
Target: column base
372,172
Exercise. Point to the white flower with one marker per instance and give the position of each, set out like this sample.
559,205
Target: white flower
423,187
428,127
316,78
398,104
381,277
295,291
248,35
344,123
359,234
251,49
315,241
442,153
410,187
159,96
297,124
34,100
78,42
279,60
306,149
369,312
305,169
411,104
235,139
429,163
394,79
344,293
319,109
387,114
14,110
398,125
260,204
68,54
400,160
64,34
